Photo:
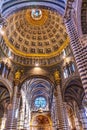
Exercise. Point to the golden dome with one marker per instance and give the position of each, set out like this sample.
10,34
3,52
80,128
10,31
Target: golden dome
33,36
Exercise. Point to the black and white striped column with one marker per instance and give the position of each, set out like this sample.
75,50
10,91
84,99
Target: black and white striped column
84,45
22,113
26,120
13,109
11,122
76,46
54,115
62,117
83,118
61,111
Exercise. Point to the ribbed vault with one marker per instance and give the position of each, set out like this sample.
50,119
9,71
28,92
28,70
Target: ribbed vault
37,87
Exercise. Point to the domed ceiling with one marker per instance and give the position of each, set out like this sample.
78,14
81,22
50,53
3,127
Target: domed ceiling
34,34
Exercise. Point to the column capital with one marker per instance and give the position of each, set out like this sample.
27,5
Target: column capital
17,77
57,76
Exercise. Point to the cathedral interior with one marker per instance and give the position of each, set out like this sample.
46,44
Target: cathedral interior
43,64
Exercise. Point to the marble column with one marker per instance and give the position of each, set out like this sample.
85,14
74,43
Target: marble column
12,114
21,119
76,45
62,117
83,118
26,121
22,114
54,114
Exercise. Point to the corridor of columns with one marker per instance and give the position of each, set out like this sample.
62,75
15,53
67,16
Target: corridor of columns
43,65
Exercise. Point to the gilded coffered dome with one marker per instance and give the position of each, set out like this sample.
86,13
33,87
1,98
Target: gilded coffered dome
35,33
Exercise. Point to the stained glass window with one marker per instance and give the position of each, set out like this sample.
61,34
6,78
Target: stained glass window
40,102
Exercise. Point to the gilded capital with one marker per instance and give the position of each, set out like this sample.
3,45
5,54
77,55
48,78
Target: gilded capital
57,76
17,77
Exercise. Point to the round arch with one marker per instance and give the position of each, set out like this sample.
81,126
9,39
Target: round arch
7,84
76,81
73,91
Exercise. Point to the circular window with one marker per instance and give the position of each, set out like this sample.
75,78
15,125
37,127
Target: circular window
36,14
40,102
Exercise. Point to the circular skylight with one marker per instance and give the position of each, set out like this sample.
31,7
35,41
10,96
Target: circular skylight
36,14
40,102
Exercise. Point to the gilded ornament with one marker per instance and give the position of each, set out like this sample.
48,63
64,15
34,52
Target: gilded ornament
57,76
17,75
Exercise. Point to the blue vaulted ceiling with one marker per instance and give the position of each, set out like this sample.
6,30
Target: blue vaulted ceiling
38,87
9,6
